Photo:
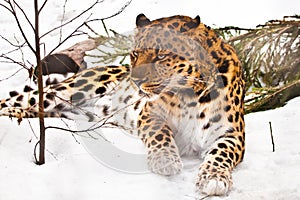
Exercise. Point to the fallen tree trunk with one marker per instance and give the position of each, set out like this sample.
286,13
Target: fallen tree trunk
273,98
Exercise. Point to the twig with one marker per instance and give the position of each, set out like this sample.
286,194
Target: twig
11,75
104,26
41,8
34,152
20,27
84,23
14,50
32,130
101,123
62,20
121,10
205,197
25,15
11,60
14,45
92,30
22,54
271,132
73,135
7,8
71,20
36,137
196,198
228,28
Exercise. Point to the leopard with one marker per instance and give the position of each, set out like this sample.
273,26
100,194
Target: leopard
184,86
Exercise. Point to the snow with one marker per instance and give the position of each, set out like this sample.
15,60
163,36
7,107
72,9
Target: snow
71,172
74,174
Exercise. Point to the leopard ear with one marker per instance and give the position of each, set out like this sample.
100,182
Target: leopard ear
197,20
142,20
194,22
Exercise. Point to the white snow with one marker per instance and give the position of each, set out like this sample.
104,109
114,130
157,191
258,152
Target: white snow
71,172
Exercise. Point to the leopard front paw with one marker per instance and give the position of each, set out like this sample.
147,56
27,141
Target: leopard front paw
164,162
11,112
214,182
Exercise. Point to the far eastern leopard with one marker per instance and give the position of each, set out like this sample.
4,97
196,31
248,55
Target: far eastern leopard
184,85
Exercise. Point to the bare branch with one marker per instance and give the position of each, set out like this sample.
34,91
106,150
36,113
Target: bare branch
11,60
11,75
22,53
71,20
103,24
271,132
25,15
83,24
120,11
43,5
6,8
68,37
20,27
14,50
92,30
111,16
62,20
34,152
8,41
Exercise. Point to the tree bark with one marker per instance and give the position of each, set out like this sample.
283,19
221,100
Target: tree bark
40,87
275,99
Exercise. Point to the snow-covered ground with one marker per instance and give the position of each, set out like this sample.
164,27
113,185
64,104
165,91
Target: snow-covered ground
74,174
71,172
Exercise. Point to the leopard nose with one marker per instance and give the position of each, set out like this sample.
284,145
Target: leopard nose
138,82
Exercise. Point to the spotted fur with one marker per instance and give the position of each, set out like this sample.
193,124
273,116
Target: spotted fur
185,86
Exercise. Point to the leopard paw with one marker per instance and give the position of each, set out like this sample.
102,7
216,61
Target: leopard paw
164,162
11,112
214,182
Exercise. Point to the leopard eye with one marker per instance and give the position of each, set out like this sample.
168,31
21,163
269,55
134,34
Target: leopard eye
161,56
135,53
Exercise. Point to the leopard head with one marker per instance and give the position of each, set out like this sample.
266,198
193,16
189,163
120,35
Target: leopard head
166,54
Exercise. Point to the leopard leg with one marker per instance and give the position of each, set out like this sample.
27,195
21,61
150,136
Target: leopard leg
15,112
163,155
70,98
214,177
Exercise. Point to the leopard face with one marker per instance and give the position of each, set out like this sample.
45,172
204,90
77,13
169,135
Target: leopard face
166,57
